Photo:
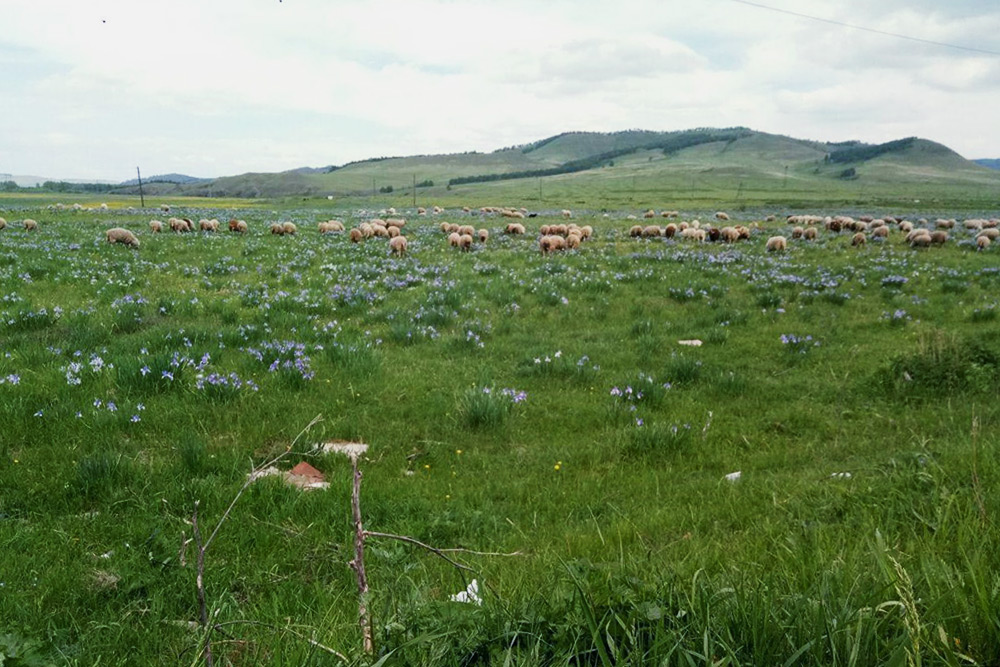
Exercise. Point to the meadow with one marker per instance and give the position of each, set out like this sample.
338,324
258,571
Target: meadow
512,403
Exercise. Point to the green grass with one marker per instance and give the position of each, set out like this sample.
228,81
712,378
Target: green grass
134,384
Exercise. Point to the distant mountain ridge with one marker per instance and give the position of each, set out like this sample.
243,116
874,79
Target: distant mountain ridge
181,179
989,163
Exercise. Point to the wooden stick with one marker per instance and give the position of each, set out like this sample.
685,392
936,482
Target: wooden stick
200,583
358,564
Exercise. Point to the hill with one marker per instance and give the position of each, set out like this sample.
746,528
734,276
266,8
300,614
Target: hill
182,179
989,163
701,163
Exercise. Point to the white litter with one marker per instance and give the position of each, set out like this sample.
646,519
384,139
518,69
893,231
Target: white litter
694,342
841,475
734,476
470,594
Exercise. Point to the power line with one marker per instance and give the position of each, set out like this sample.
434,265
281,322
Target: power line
873,30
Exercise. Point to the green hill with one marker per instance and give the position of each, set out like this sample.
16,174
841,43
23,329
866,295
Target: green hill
639,167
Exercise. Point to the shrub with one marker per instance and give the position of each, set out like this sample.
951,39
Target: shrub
487,407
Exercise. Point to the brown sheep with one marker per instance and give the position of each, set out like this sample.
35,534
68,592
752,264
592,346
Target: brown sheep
983,242
484,235
514,228
123,236
776,244
939,237
651,230
649,214
393,232
881,232
859,239
921,240
289,227
586,232
573,242
454,239
467,230
797,233
234,225
397,245
566,213
714,234
241,226
444,227
356,235
277,228
634,231
670,230
810,234
382,232
155,226
465,242
729,234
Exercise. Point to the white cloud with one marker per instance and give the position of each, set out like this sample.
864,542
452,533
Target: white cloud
222,87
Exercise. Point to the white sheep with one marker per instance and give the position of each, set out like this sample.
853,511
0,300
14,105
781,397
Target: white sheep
397,245
155,226
777,244
983,242
30,225
123,236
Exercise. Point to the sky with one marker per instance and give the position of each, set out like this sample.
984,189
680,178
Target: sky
91,90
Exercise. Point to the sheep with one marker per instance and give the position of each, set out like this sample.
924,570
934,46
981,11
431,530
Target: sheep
941,223
277,228
939,237
649,214
421,210
722,215
651,230
484,235
467,230
917,232
858,239
586,232
921,240
331,226
454,239
123,236
375,221
208,225
165,208
744,231
566,213
729,235
30,225
810,234
880,232
241,226
367,229
155,226
465,242
694,234
382,232
992,233
776,244
770,218
397,245
356,235
545,244
391,211
395,222
906,226
573,241
545,230
714,234
3,223
394,232
797,233
445,227
176,225
514,228
983,242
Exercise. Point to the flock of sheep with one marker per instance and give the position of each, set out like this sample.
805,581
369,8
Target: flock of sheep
569,236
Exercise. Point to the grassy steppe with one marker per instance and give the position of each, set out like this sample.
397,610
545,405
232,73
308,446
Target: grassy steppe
854,389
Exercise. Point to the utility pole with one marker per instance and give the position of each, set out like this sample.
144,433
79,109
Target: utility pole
414,190
373,188
539,190
142,198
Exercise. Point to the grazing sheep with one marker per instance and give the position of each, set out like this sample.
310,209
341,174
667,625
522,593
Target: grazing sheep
395,222
714,234
356,235
859,239
722,215
3,223
810,234
992,233
651,230
445,227
670,230
649,214
155,226
776,244
465,242
770,218
634,231
545,230
694,234
566,213
729,235
573,241
881,232
165,208
941,223
30,225
906,226
382,232
391,211
545,244
797,233
367,229
277,228
177,225
454,239
744,231
939,237
467,230
393,232
241,226
123,236
514,228
586,232
421,210
983,242
921,240
397,245
209,225
484,235
917,232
